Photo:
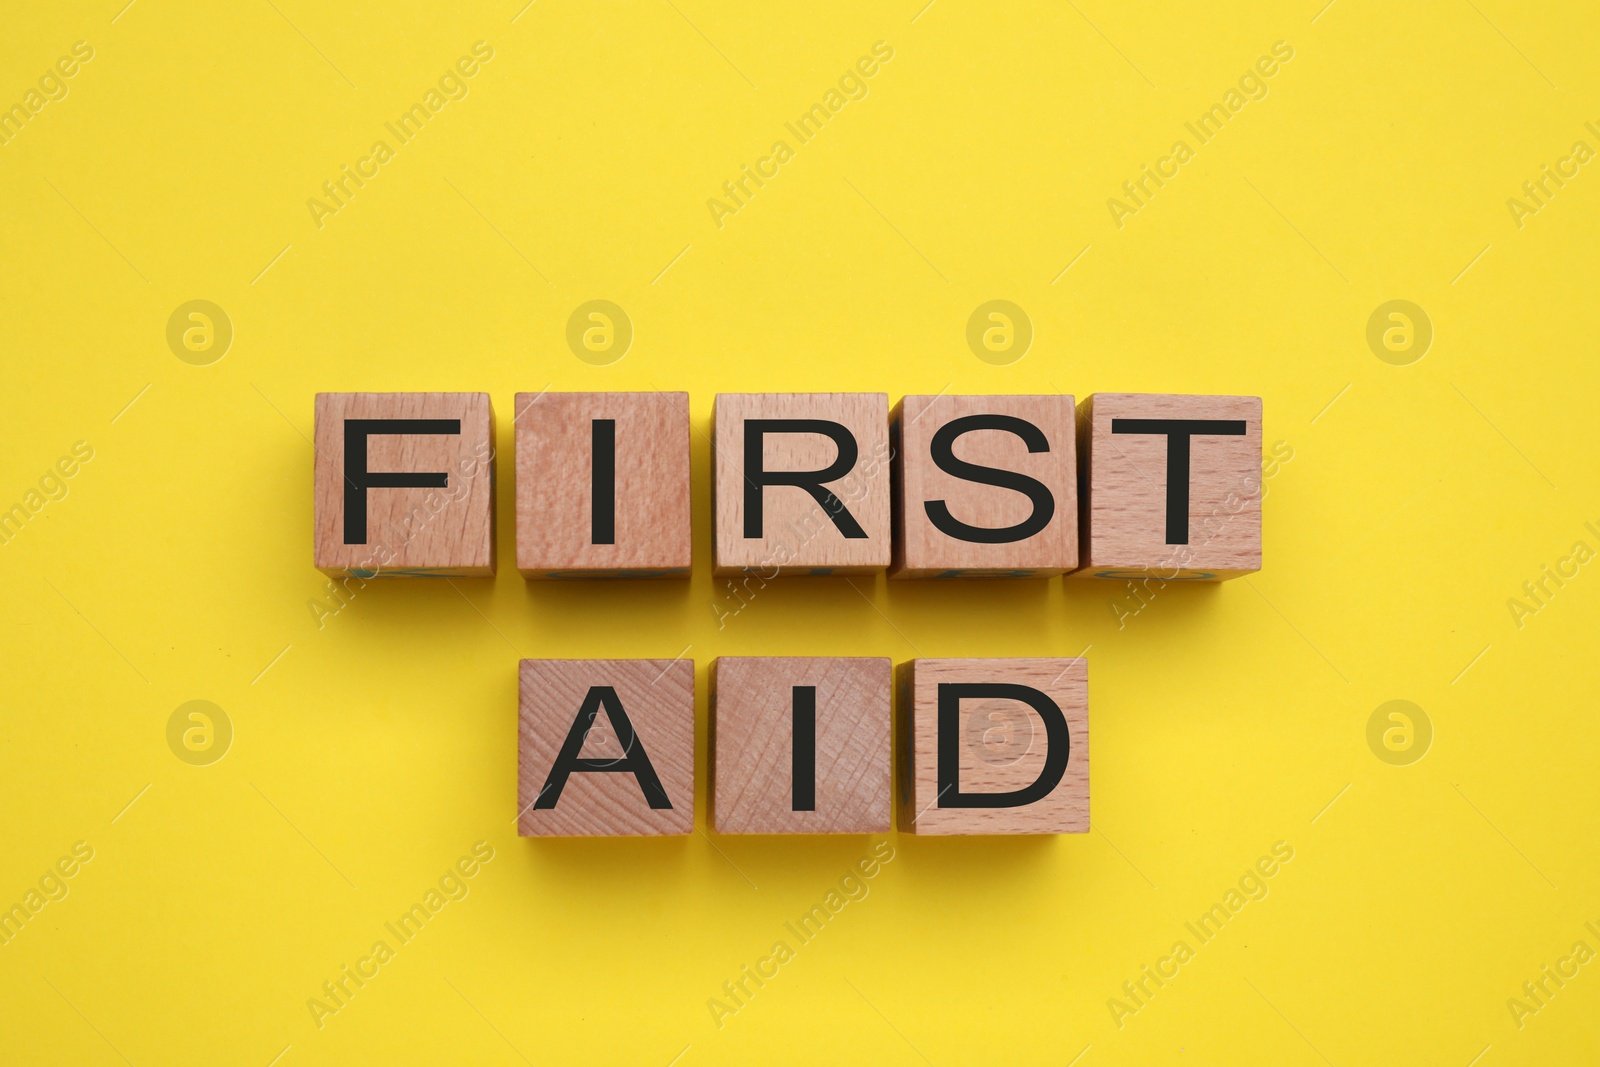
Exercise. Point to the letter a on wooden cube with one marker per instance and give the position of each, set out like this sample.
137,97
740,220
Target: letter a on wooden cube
603,485
1173,488
801,483
994,746
800,745
605,747
985,487
404,484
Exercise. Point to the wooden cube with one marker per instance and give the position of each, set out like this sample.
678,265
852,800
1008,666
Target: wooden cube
605,747
800,745
985,486
603,485
994,746
404,484
1173,488
801,483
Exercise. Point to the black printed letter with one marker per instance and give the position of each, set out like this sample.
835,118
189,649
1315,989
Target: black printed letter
1178,432
635,761
943,451
803,762
357,479
1058,744
755,479
603,482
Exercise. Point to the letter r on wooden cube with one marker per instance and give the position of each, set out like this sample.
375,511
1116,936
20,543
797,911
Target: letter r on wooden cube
985,486
1173,488
801,483
603,485
404,484
994,746
800,745
605,747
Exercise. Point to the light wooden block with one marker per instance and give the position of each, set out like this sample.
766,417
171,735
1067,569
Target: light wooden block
838,523
577,773
1173,488
1021,725
603,485
800,745
985,486
414,493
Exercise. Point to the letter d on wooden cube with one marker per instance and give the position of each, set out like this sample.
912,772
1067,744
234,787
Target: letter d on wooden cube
994,746
605,747
404,484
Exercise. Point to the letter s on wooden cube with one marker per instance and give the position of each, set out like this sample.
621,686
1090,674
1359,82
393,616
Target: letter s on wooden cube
985,486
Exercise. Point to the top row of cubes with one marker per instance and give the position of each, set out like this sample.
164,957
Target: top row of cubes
1124,485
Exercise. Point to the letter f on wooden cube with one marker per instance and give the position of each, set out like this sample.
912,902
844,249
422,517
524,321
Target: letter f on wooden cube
404,484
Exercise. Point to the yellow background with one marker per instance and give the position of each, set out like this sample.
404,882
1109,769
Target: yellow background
378,748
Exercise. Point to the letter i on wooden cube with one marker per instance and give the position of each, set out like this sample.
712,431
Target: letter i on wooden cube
603,485
800,745
985,486
605,747
404,484
1173,486
994,746
801,483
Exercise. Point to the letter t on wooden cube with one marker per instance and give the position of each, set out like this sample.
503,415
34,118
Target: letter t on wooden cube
404,484
800,745
1173,488
994,746
605,747
801,483
986,486
603,485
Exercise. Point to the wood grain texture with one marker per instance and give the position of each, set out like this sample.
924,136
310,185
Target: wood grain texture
922,549
409,531
657,697
753,744
799,536
1000,744
649,508
1125,531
